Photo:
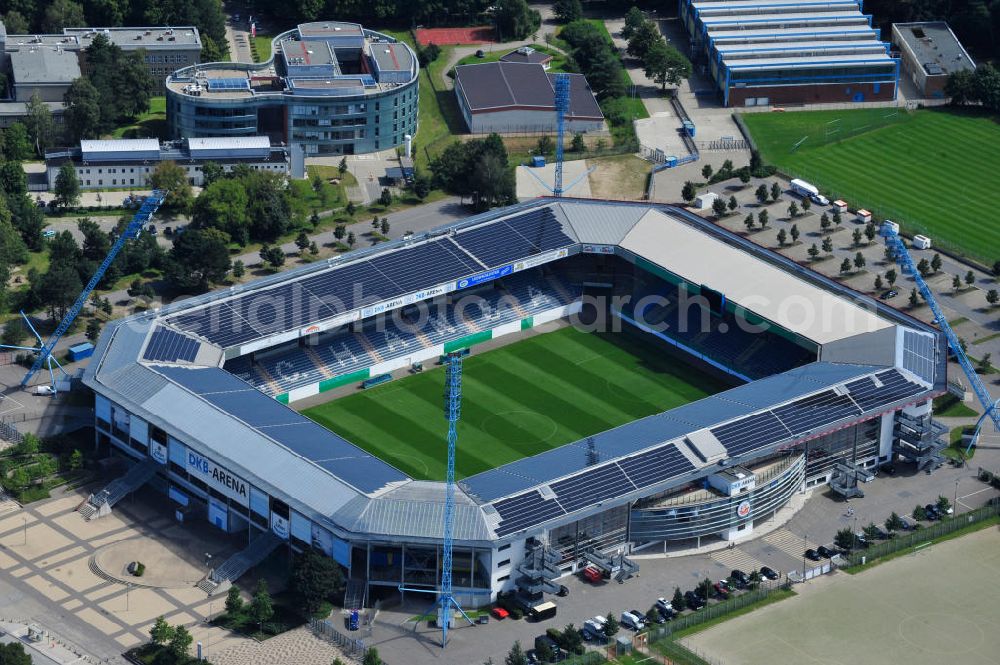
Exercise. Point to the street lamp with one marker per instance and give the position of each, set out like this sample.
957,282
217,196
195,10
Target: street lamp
955,504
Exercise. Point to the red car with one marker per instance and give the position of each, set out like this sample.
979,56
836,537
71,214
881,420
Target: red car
499,613
592,574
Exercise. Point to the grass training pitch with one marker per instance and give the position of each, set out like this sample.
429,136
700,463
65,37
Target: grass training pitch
934,171
517,401
937,605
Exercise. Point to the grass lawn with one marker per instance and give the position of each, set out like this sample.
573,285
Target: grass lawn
932,170
557,65
949,406
438,117
262,47
519,400
152,124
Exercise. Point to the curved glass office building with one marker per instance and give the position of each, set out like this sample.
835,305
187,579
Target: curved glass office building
330,88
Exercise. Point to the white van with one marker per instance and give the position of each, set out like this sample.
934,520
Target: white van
921,242
632,621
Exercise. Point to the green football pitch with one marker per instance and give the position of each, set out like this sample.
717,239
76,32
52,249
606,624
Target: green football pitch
518,400
934,171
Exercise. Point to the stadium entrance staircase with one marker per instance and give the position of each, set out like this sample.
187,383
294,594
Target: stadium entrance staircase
919,440
538,571
844,480
101,503
617,566
354,594
221,578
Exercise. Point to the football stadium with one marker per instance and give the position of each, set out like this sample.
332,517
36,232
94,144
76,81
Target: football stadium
635,378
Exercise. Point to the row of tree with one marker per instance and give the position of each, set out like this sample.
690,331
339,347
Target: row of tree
51,16
117,87
661,61
477,169
981,86
595,57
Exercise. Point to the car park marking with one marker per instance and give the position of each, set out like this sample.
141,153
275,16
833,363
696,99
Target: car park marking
789,543
736,559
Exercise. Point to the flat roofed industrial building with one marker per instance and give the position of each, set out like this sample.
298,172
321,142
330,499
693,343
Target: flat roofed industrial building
164,48
931,52
180,395
794,52
329,88
518,97
118,163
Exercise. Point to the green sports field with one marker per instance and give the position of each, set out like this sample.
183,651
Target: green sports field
518,400
935,171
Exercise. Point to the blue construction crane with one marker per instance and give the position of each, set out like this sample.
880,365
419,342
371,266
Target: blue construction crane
452,410
142,216
990,407
562,108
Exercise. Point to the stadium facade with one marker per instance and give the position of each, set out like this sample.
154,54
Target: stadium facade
827,384
330,88
769,53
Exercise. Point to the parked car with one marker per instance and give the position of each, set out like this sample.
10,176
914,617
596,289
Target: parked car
499,613
664,604
633,621
813,555
693,600
721,590
592,574
820,200
932,512
889,295
861,540
825,551
740,578
532,657
769,573
151,229
656,616
49,233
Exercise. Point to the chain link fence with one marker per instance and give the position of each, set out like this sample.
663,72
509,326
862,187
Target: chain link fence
922,537
8,432
323,629
714,611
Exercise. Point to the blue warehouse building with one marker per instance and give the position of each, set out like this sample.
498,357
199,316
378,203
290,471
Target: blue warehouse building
790,51
330,88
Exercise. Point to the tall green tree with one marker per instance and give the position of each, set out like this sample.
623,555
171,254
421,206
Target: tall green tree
261,606
666,65
82,116
515,20
224,205
643,39
180,643
198,258
171,178
67,188
38,121
61,14
634,18
567,10
16,142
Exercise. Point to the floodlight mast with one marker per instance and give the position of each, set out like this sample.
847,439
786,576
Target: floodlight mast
452,410
990,407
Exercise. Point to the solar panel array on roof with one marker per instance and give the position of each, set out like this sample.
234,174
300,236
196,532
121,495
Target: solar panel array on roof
750,433
894,387
297,433
593,486
242,83
170,346
384,276
516,238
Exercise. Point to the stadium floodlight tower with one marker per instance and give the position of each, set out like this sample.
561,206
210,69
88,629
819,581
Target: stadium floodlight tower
452,410
562,108
990,407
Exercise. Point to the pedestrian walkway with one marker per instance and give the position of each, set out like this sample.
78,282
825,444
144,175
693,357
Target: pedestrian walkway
299,646
737,559
791,544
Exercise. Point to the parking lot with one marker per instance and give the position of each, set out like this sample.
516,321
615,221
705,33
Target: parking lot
782,549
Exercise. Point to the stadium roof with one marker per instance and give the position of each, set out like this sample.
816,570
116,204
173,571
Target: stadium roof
504,86
747,280
155,366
